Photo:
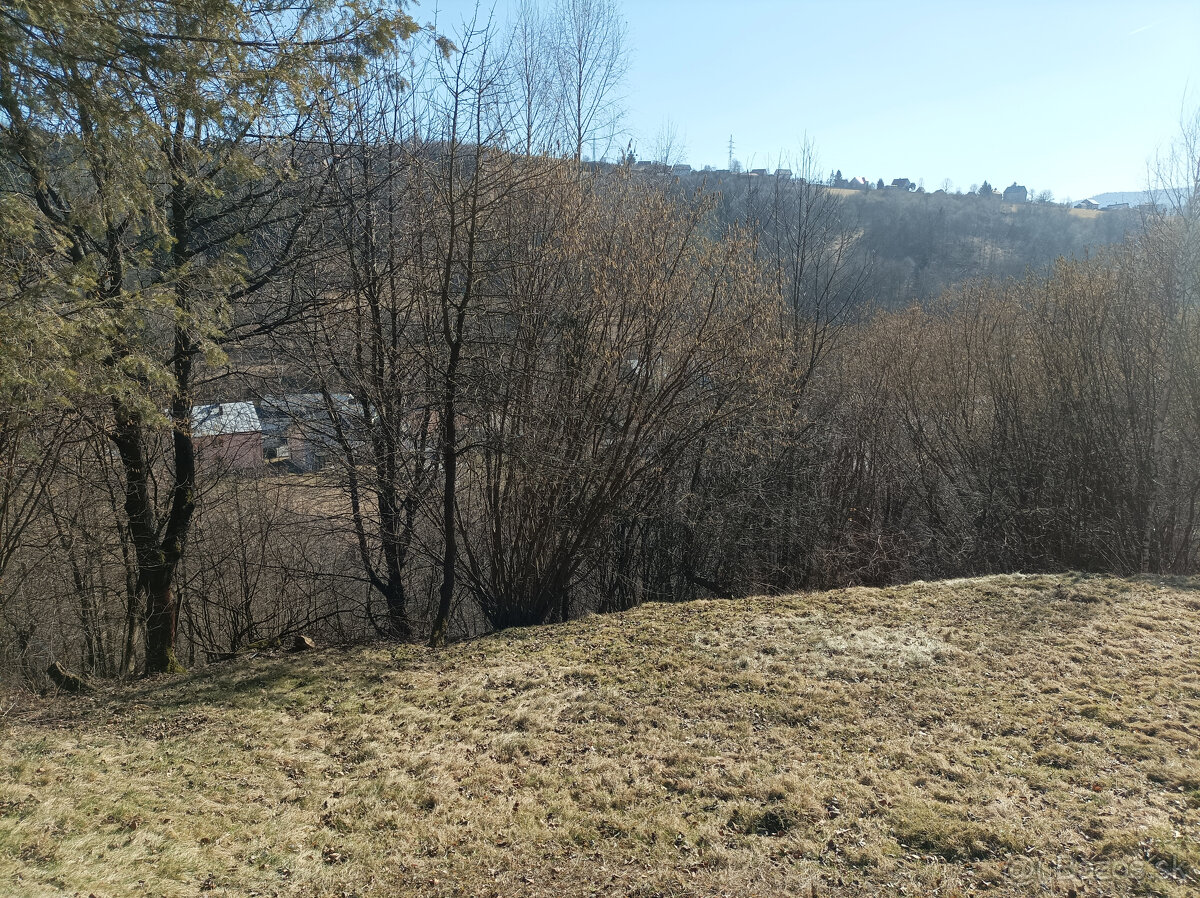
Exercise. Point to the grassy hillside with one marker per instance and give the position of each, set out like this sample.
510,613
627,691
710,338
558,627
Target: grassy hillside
1008,735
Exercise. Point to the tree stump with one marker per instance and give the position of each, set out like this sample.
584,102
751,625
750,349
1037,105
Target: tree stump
303,644
65,680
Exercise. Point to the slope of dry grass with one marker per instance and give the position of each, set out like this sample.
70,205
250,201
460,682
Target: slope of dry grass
1008,735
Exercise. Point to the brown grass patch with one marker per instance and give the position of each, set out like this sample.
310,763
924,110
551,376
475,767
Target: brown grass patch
1023,735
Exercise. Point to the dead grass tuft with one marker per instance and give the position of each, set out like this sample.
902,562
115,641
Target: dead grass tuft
774,820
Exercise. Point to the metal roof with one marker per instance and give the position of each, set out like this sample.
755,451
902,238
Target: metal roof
279,413
224,418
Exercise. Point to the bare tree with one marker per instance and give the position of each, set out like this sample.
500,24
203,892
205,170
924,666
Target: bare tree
472,186
668,147
592,58
531,72
623,342
811,256
365,351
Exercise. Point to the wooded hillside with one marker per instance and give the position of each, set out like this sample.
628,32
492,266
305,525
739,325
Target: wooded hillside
332,332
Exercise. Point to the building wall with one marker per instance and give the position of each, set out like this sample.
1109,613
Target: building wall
235,451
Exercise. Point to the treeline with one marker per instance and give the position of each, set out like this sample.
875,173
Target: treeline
538,388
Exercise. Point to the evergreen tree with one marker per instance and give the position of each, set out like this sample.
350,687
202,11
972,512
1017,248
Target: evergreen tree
147,141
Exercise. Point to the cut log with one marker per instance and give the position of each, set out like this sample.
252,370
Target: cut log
303,644
65,680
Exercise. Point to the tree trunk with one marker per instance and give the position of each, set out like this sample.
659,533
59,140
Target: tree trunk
162,621
157,559
395,533
437,635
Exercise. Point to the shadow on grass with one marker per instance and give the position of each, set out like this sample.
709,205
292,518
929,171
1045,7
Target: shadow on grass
279,681
270,681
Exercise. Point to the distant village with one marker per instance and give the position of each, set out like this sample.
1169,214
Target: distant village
1014,193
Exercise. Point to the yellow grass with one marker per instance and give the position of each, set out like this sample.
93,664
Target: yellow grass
1007,735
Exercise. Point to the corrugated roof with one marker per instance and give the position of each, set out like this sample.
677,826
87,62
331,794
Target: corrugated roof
224,418
277,412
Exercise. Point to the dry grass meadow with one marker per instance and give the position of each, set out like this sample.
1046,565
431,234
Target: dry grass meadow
1000,736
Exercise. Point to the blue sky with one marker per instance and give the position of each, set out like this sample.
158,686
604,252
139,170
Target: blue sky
1074,97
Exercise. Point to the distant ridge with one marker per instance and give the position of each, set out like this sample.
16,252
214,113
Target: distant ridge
1133,197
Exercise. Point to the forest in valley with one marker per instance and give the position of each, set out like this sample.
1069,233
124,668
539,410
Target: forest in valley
496,384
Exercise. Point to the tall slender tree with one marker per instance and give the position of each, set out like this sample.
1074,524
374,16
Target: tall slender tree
592,57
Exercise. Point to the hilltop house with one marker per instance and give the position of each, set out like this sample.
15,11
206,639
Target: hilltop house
1087,204
1015,193
227,434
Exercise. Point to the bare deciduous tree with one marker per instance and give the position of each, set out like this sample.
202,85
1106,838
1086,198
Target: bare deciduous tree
531,71
592,57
